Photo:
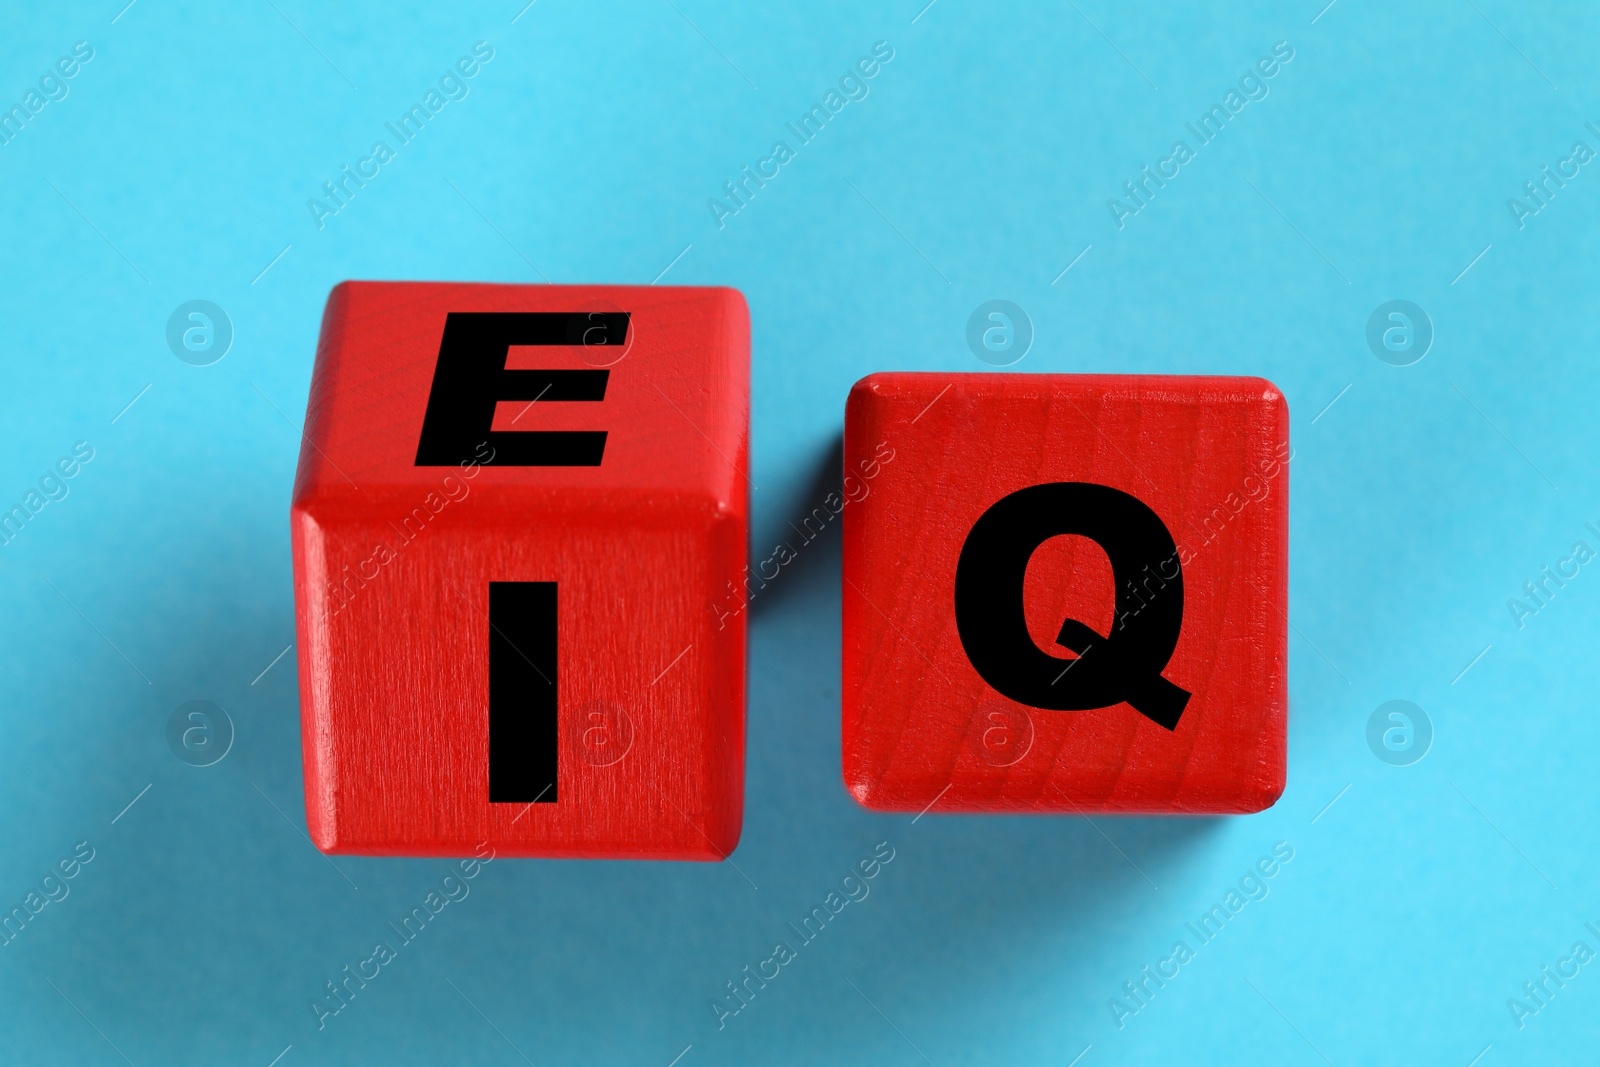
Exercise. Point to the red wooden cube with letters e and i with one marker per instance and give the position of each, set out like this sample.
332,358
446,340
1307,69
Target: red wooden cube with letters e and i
514,506
1066,593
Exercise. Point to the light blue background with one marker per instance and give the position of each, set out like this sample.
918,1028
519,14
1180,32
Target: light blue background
179,166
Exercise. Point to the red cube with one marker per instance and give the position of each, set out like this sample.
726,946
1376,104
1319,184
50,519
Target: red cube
1066,593
514,506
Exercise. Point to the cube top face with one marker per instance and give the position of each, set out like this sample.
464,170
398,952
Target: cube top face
413,377
1066,593
514,645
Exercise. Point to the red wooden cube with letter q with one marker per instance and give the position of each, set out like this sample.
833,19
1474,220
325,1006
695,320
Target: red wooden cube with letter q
1066,593
514,506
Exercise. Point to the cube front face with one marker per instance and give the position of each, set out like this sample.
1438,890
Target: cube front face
511,640
1066,593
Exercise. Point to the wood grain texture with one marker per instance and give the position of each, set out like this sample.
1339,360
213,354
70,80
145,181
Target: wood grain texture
393,564
1209,456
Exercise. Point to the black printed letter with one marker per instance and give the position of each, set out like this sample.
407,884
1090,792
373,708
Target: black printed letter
1124,665
471,377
